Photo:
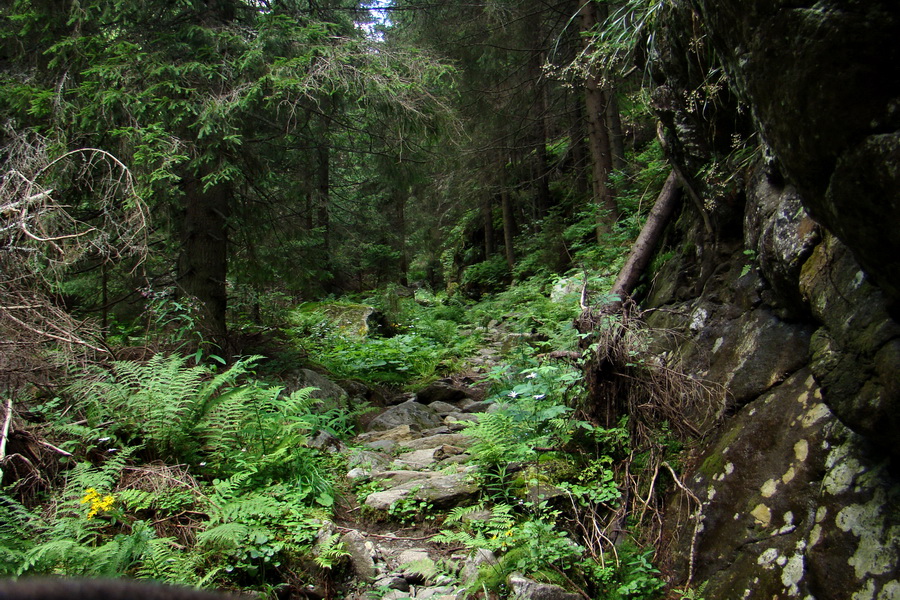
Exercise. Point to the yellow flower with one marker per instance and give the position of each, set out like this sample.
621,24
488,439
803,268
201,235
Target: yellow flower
98,504
89,495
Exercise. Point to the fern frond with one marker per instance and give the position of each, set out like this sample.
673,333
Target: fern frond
65,555
163,560
456,514
330,551
225,536
15,540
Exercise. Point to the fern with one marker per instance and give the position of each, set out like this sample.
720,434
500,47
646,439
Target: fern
164,402
60,555
330,551
15,523
164,561
226,536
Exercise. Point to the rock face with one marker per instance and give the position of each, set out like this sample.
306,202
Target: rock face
823,81
785,291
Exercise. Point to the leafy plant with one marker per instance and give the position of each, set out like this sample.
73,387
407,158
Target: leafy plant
410,509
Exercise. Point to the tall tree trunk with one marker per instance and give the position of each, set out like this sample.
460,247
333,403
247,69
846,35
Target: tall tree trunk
203,262
509,226
323,191
579,152
400,203
487,215
614,123
596,103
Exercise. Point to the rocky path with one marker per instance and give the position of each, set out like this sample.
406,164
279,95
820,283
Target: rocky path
411,459
409,469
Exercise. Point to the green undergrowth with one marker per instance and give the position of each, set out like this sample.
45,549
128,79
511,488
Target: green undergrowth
407,343
175,473
552,483
205,476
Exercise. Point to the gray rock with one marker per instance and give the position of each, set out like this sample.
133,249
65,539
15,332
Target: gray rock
417,566
527,589
393,582
382,445
416,416
471,406
436,441
324,440
418,459
435,592
441,391
440,430
403,476
331,395
361,561
443,408
473,562
367,459
358,473
395,434
442,491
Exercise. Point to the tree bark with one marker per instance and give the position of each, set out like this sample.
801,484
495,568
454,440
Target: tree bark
509,226
596,104
203,262
642,250
487,215
614,123
401,235
323,191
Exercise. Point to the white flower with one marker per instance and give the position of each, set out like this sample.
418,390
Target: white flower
203,464
540,396
104,439
513,394
531,375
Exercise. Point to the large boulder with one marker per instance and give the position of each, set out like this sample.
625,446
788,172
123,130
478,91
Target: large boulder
441,491
528,589
410,413
330,395
822,79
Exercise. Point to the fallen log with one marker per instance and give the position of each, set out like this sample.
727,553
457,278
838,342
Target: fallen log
642,250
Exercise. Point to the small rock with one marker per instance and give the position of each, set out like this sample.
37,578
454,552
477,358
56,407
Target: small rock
471,406
358,473
417,416
442,491
434,592
403,476
441,391
382,445
393,582
396,434
417,565
419,459
527,589
442,429
326,441
367,459
474,561
361,561
541,492
435,441
443,408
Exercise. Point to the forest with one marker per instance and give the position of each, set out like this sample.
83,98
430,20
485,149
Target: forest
392,299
